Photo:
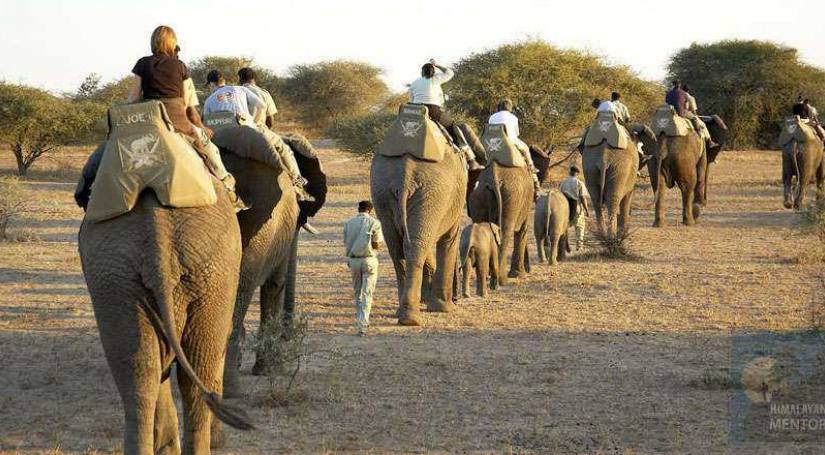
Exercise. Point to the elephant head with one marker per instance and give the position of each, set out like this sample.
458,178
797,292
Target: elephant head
719,133
541,159
642,133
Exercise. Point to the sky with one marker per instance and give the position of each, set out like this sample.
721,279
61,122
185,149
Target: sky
54,44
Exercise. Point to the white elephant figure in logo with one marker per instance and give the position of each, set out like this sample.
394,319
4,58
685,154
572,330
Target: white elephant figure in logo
141,152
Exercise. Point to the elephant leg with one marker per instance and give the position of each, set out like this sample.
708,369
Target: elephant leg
482,274
701,182
506,238
409,310
234,349
465,276
395,248
624,212
540,247
492,260
554,249
291,275
203,342
132,351
788,172
166,437
563,246
441,299
272,308
659,195
687,189
820,179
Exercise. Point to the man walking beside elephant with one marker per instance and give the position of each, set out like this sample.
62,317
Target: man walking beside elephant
362,237
576,193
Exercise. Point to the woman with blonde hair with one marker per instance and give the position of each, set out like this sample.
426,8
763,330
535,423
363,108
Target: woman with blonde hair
161,77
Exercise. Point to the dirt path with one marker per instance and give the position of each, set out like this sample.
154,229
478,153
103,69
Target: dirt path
587,356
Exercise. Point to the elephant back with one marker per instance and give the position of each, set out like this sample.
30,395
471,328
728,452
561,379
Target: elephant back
500,149
607,128
795,128
144,152
413,133
667,121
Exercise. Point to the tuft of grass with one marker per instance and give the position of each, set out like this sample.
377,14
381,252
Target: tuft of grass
26,236
815,216
714,379
612,247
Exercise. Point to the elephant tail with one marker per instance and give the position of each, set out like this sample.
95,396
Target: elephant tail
795,157
603,180
497,192
402,208
548,214
162,287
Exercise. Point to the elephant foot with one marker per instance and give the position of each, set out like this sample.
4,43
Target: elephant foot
170,448
688,222
796,206
440,306
697,211
517,274
409,317
787,204
465,295
658,223
554,262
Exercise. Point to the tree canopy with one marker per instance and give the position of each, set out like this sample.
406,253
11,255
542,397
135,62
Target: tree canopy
552,88
750,84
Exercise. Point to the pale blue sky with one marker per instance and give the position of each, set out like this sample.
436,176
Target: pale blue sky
53,44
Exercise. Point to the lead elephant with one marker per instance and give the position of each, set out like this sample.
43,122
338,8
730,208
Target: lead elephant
268,232
162,283
420,204
610,176
803,161
504,196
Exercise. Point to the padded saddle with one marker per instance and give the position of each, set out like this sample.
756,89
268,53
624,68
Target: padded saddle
413,133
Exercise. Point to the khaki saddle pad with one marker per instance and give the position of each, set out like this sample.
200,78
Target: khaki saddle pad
218,120
500,149
414,134
142,152
606,128
795,128
666,120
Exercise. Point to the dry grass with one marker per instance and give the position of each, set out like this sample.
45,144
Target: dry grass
593,356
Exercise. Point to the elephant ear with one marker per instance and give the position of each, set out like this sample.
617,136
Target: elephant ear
496,233
474,142
313,171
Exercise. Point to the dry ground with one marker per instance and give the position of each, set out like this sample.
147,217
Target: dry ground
584,357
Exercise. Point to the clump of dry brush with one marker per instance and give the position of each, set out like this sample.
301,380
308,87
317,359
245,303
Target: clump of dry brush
282,350
618,246
815,223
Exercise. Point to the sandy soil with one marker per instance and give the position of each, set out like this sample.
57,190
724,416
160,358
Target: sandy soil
589,356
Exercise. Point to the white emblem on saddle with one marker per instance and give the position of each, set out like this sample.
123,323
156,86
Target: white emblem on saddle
410,128
494,144
141,152
792,128
663,122
604,125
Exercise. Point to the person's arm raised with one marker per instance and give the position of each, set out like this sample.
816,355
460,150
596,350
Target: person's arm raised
135,92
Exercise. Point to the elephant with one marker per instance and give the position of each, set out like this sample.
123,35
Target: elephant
683,161
550,225
504,196
479,248
420,204
268,233
610,177
804,161
162,283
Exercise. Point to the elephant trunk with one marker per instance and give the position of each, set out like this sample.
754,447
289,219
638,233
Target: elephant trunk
162,289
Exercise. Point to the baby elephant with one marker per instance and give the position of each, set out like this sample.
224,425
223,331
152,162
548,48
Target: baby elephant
552,220
479,246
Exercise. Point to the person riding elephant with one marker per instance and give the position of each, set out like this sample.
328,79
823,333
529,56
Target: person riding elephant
693,115
504,116
680,99
246,77
162,282
250,111
803,162
427,90
420,204
161,76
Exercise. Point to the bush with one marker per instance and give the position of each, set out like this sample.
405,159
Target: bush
361,135
551,87
282,348
323,92
750,84
12,203
618,246
34,122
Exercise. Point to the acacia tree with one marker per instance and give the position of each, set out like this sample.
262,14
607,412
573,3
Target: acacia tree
321,92
551,87
34,122
750,84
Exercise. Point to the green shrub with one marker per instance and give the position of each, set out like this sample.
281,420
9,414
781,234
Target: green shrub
282,348
323,92
361,134
750,84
